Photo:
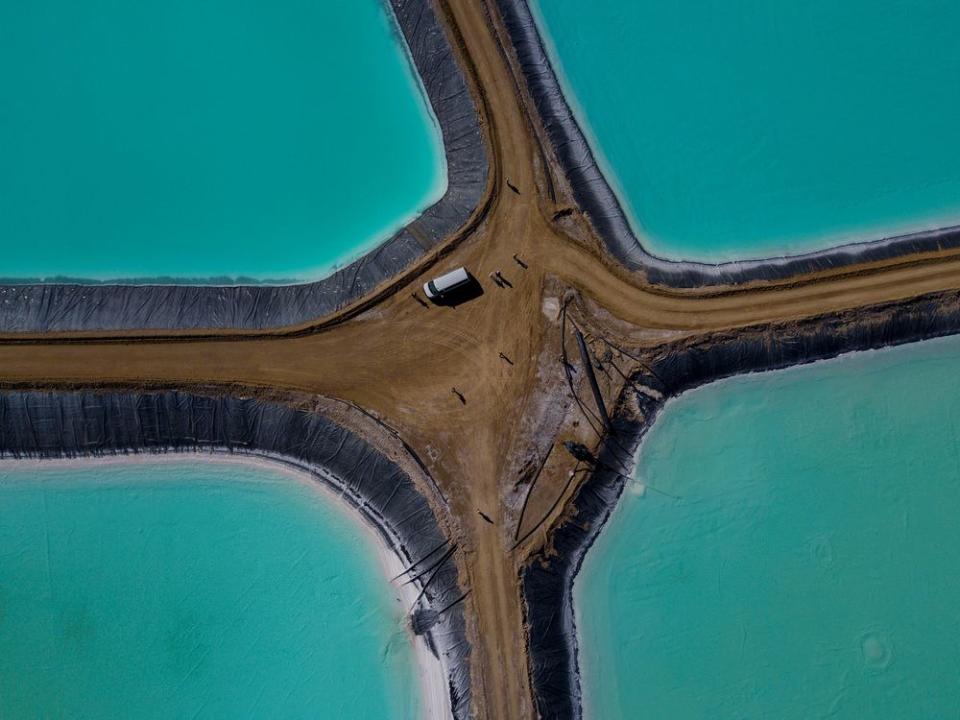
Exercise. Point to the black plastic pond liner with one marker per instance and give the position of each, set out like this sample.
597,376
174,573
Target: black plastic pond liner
595,197
547,580
73,424
26,306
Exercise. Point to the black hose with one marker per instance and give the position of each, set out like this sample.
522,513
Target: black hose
592,377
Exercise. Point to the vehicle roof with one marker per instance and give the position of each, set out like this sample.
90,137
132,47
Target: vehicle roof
448,280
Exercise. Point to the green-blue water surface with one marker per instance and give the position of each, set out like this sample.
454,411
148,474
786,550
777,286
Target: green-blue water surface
743,129
807,567
188,590
264,140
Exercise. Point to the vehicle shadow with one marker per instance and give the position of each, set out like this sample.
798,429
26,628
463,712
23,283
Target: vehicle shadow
469,291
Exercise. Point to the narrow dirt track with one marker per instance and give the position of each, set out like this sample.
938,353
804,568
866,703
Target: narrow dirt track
400,360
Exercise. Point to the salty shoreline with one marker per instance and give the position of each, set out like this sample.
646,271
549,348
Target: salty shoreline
549,575
27,306
848,239
595,196
874,390
435,701
125,427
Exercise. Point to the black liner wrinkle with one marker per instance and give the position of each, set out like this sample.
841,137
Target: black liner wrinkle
71,306
547,580
601,206
72,424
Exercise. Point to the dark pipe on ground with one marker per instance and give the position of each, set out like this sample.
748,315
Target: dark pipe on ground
588,366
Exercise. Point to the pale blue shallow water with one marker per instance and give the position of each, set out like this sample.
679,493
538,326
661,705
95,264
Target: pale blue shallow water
185,590
744,129
808,567
266,140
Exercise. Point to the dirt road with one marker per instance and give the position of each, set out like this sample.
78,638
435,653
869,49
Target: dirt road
401,360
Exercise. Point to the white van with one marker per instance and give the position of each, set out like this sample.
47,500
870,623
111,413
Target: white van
445,284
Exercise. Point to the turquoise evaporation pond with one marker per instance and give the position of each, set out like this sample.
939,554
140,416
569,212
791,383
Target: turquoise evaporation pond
220,139
745,129
808,568
206,590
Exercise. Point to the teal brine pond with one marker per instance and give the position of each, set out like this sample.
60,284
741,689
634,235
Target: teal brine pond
798,558
186,589
261,140
745,129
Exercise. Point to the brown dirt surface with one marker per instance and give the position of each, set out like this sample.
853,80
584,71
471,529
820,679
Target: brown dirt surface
400,361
